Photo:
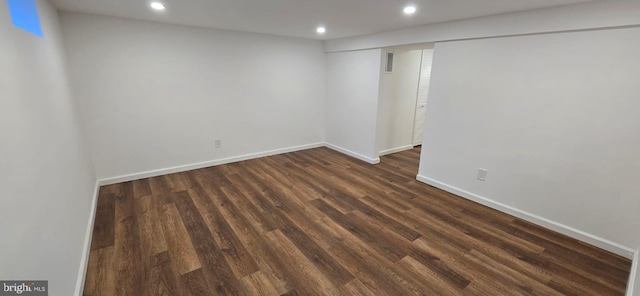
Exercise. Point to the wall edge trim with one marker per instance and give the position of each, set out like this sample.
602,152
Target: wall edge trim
395,150
635,266
204,164
353,154
86,250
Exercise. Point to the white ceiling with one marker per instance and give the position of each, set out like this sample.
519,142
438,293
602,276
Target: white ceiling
299,18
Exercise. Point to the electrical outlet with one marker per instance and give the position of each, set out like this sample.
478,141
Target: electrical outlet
218,143
482,174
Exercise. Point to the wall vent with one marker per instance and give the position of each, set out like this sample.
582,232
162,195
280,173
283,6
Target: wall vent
388,68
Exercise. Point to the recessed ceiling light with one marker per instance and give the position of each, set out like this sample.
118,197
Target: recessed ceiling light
321,30
157,6
410,10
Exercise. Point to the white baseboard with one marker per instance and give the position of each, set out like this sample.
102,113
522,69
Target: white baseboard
634,273
199,165
86,250
544,222
395,150
353,154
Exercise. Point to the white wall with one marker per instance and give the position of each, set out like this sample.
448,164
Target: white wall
154,96
353,82
398,94
588,15
45,174
554,119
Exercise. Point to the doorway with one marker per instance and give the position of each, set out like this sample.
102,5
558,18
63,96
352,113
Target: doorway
404,88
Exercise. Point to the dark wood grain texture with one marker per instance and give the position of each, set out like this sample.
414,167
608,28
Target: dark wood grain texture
317,222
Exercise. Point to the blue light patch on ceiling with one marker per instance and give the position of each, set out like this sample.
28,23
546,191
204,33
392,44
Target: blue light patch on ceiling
24,14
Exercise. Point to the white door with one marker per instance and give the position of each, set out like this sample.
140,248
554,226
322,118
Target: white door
418,128
423,93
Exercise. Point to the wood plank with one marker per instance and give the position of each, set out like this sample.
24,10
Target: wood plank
160,191
196,282
508,277
233,249
141,188
388,222
183,255
356,288
104,223
130,276
306,277
261,221
362,231
217,268
100,278
318,256
152,240
253,241
163,279
258,284
427,278
369,266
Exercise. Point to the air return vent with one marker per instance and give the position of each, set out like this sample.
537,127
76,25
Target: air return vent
389,65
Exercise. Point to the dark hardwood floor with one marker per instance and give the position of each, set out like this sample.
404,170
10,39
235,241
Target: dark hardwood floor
317,222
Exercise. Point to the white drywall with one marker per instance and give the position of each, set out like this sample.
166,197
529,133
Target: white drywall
45,173
155,96
588,15
353,81
554,120
398,94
